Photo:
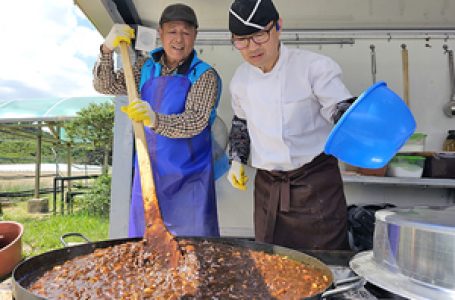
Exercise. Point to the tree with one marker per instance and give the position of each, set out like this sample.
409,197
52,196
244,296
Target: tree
93,127
98,200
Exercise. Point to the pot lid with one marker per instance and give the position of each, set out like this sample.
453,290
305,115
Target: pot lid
429,218
297,14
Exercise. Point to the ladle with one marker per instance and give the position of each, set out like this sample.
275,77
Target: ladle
449,107
373,62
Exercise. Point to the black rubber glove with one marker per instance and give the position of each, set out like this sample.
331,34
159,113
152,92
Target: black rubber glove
341,108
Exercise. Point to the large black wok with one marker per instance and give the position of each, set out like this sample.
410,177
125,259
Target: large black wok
33,268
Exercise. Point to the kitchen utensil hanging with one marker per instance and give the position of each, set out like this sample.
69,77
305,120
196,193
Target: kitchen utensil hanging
449,107
373,62
405,65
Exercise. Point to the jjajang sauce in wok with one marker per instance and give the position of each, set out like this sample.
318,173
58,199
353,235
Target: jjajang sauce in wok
208,270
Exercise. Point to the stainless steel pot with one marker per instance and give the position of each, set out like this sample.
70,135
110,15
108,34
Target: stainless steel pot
413,252
449,107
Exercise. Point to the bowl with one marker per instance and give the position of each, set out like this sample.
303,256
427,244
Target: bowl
10,246
372,130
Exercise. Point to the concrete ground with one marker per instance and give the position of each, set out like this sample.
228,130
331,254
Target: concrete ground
6,289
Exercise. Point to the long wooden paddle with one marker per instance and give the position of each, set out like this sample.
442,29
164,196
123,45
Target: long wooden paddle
158,239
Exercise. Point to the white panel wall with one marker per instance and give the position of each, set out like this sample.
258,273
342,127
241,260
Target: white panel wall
122,164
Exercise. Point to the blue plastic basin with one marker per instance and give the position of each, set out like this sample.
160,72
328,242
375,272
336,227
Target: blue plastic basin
372,130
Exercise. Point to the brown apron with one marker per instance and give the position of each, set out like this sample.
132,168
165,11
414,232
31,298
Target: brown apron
302,209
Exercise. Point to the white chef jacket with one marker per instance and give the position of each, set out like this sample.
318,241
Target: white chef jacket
289,109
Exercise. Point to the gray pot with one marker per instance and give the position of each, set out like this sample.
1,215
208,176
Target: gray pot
413,252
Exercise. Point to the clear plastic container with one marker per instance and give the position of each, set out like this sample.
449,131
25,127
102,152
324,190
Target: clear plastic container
416,143
406,166
449,143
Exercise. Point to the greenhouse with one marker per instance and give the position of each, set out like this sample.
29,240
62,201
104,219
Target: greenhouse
29,118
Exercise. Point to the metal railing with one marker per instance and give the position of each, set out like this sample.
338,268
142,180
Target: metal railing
59,184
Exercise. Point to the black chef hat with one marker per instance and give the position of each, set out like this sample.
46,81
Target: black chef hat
179,12
249,16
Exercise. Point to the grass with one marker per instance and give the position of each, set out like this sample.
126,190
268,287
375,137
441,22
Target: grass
42,232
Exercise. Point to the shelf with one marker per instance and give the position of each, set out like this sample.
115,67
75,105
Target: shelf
400,181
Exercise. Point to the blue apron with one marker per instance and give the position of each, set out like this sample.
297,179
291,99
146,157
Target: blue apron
182,167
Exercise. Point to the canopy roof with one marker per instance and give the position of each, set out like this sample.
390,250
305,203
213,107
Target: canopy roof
46,109
297,14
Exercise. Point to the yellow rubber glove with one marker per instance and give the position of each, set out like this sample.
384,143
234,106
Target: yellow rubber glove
119,33
140,111
236,176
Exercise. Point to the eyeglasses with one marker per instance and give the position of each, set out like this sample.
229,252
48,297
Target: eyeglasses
259,38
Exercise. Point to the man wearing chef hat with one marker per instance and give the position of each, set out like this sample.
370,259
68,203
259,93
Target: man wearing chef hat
285,101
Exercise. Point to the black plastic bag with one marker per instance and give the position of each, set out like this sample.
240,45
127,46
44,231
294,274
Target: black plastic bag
361,222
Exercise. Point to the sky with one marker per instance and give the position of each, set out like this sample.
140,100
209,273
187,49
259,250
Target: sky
48,49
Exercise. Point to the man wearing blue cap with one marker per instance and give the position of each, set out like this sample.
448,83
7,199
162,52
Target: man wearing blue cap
285,102
179,95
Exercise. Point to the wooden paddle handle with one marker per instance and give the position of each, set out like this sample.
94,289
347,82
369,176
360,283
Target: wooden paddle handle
158,239
145,167
404,56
